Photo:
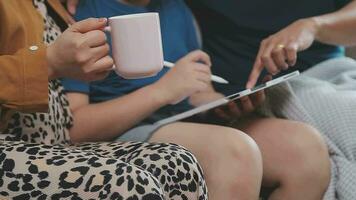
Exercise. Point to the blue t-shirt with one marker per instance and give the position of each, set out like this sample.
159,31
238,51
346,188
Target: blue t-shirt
178,38
233,30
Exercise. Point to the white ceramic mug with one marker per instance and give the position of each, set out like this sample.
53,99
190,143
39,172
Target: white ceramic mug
136,45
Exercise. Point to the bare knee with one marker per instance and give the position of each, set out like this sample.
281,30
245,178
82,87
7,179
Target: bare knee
210,142
242,148
295,155
231,160
230,145
308,160
238,161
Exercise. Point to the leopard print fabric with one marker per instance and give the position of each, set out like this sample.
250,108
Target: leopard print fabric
99,171
48,128
37,160
57,172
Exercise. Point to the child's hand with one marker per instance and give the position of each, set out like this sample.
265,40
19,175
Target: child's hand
81,52
191,74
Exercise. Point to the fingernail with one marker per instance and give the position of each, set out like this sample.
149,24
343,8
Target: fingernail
102,19
107,29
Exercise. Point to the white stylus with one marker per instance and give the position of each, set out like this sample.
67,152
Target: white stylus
213,77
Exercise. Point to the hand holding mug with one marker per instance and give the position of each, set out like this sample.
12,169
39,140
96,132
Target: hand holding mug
81,52
278,52
190,75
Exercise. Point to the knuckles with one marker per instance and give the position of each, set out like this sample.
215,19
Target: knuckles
291,48
81,57
77,44
276,52
265,58
100,35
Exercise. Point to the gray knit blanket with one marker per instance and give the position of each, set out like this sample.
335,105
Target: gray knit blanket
325,97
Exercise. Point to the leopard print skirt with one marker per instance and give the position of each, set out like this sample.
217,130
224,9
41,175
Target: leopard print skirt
37,160
99,171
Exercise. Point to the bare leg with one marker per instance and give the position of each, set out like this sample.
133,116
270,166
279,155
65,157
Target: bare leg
295,158
230,159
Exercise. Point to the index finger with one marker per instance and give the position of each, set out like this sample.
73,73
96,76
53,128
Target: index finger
202,68
199,56
257,66
255,73
89,24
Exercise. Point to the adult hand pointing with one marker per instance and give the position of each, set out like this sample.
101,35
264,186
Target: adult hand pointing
279,51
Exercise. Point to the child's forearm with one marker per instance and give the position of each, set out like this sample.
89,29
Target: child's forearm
108,120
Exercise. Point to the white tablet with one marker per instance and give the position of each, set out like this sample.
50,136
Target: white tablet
227,99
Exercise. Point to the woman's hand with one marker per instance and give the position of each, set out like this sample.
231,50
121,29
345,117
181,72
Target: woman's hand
191,74
81,52
279,51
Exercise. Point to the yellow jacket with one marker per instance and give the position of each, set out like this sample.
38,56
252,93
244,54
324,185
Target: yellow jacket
23,63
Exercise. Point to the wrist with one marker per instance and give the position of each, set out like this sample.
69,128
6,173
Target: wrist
52,72
315,24
158,94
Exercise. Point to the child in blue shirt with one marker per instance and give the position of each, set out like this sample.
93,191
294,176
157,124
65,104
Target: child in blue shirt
107,109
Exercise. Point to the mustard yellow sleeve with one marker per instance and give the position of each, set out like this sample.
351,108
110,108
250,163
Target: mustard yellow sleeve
24,80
